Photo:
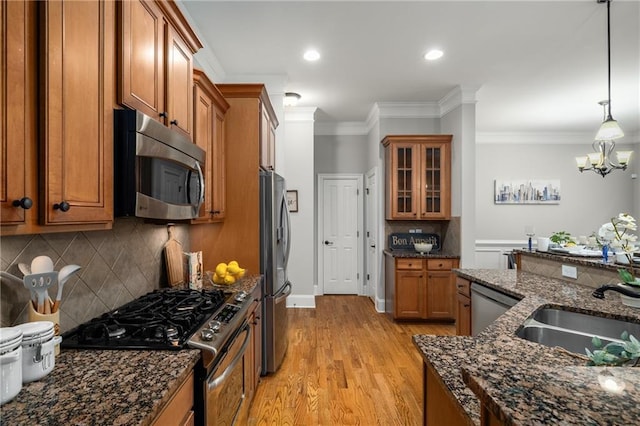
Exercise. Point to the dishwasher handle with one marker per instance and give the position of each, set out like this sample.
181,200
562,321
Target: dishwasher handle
501,298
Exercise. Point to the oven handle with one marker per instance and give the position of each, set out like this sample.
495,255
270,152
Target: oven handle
212,384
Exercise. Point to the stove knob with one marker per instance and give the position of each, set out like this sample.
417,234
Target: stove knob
207,334
241,296
214,326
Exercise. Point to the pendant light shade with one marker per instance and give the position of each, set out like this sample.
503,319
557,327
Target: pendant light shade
609,130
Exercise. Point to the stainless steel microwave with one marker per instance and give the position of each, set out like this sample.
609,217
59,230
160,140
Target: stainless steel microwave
157,171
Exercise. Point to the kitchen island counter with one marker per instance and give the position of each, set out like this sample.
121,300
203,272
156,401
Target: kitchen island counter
102,387
520,382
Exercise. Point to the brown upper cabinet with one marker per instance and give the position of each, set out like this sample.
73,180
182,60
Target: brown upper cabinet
245,96
209,109
418,175
66,145
156,48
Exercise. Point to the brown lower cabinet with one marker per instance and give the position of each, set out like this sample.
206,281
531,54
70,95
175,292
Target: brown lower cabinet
179,409
440,406
418,288
463,298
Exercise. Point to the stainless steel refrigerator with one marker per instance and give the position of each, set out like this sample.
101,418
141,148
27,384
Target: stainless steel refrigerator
275,242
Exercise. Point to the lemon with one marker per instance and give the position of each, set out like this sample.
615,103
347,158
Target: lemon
240,273
233,262
229,279
218,279
570,244
221,269
233,268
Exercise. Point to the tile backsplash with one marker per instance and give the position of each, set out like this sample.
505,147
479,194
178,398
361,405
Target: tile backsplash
118,266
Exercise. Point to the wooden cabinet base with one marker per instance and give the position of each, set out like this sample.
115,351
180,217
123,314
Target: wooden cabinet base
179,410
440,407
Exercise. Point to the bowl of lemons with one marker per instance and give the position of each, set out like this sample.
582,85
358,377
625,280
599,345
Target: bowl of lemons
228,273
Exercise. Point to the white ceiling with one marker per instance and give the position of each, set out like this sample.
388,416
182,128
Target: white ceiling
540,65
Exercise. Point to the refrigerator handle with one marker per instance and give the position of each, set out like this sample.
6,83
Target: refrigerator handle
284,293
287,219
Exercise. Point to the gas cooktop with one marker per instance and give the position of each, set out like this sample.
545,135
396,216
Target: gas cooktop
162,319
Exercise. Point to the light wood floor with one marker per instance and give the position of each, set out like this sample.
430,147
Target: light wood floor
346,365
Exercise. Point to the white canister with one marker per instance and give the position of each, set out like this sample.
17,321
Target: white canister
38,343
10,363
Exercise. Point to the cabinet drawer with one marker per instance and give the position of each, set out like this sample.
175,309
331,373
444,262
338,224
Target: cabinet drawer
463,286
439,264
413,264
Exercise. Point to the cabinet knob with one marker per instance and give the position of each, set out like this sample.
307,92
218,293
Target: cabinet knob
328,243
214,212
24,202
63,206
163,114
174,122
466,305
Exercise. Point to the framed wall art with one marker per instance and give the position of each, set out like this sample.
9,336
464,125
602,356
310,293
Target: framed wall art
292,200
527,191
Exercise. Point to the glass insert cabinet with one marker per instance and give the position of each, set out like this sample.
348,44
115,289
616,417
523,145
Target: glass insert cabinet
418,176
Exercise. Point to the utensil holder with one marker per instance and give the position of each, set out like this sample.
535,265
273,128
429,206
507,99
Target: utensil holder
54,318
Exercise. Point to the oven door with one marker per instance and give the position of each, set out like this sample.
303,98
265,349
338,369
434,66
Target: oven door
224,387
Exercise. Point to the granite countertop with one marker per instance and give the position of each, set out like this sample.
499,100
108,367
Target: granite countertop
523,382
106,387
412,254
97,387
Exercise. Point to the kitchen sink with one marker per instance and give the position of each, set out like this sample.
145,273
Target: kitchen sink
573,331
594,325
553,336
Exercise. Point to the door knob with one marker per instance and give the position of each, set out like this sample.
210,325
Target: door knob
373,246
328,243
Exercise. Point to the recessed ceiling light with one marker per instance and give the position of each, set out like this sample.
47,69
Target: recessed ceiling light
433,55
311,55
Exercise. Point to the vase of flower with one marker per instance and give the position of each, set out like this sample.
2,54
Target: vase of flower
632,284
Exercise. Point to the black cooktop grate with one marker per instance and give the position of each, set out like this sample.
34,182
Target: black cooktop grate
162,319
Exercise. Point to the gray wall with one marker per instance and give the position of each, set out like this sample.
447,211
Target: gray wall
117,266
587,202
341,154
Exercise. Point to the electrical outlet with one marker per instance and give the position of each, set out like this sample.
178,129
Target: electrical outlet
412,231
570,271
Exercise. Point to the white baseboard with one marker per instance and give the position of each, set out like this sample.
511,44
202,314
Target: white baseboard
301,301
380,305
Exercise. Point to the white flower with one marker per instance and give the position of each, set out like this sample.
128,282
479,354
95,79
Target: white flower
617,233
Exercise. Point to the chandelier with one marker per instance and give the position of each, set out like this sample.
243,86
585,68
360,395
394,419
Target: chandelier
600,160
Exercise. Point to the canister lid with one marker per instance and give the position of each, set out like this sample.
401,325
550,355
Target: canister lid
36,330
10,338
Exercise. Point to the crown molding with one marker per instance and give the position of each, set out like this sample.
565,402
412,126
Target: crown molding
459,95
538,138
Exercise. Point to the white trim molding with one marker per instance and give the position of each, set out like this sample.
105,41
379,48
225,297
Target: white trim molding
301,301
299,113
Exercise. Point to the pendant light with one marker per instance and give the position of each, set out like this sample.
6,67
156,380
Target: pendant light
600,160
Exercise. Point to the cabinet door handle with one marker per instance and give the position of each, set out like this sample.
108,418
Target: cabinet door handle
63,206
466,306
214,212
174,122
24,202
163,114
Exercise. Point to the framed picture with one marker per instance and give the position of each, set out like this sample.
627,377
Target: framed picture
527,191
292,200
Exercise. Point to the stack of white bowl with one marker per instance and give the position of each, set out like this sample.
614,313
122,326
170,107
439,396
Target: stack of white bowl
10,363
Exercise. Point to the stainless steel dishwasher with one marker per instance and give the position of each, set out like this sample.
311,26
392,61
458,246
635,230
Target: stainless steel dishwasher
486,306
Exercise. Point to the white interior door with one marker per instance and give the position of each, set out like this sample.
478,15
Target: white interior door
341,208
371,214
